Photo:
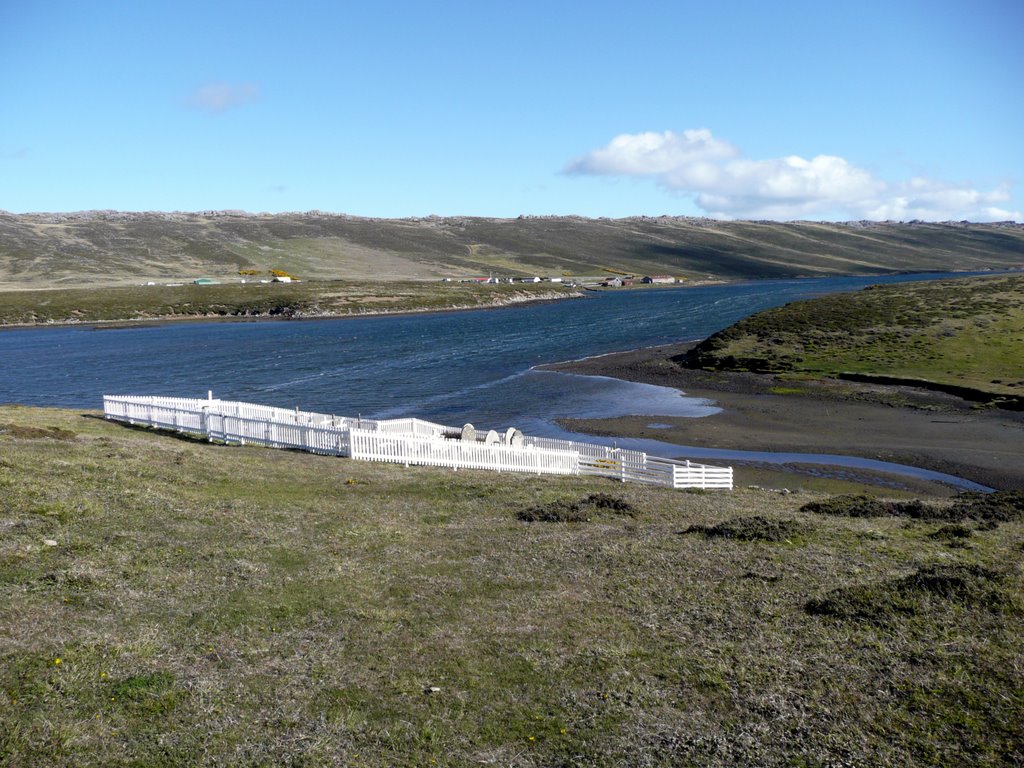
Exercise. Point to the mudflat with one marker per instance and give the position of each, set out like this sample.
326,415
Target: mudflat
762,412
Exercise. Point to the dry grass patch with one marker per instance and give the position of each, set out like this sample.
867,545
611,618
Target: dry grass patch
22,432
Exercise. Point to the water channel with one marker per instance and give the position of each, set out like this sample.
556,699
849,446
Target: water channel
449,367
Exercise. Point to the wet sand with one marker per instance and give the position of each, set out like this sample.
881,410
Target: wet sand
764,413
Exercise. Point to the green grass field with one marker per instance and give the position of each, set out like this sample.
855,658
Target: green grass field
967,333
282,300
165,601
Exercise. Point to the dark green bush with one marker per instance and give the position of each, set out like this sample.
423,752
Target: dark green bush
754,528
575,511
881,602
999,507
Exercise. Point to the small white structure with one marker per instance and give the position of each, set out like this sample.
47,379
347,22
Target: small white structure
406,441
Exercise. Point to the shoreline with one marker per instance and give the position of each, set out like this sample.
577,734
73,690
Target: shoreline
549,297
580,292
163,320
760,412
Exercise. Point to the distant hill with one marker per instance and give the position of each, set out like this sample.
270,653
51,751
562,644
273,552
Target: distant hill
108,247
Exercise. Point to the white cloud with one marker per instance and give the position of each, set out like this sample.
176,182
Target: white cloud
726,184
932,200
218,96
655,153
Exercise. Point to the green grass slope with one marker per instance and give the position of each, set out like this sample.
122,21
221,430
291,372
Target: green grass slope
169,602
966,333
106,247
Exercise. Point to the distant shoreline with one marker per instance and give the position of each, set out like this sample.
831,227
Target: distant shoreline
495,303
165,320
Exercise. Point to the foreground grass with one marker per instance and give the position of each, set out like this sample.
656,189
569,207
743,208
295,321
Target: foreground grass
963,333
283,300
243,606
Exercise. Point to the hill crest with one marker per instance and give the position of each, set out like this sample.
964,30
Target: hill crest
39,250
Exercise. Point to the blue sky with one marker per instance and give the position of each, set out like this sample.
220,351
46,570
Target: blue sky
785,110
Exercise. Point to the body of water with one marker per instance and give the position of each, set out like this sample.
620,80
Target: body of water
452,367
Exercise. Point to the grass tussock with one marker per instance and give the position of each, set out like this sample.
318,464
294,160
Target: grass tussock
754,528
582,511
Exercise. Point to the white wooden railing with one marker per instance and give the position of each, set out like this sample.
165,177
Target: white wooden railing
406,441
406,449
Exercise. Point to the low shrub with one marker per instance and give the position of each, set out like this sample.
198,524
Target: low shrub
881,602
581,511
998,507
953,534
849,506
609,502
754,528
554,512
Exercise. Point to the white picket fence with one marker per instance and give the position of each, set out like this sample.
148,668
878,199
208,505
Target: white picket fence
405,441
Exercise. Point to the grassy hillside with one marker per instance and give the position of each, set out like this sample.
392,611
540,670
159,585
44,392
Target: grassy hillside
965,333
169,602
48,250
316,299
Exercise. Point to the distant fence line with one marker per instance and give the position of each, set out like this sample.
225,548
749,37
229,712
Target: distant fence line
406,441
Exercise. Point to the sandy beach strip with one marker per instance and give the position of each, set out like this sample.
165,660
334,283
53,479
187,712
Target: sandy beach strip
765,413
